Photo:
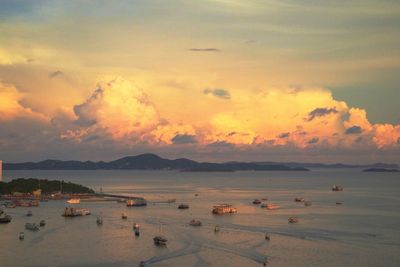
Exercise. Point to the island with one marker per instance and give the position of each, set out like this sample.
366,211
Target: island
380,170
42,187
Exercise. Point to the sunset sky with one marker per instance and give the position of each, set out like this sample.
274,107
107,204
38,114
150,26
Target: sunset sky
216,80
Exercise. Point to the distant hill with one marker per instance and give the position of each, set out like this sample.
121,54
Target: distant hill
23,185
380,170
149,162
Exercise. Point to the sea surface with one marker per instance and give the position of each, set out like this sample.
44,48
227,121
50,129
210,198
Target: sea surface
363,231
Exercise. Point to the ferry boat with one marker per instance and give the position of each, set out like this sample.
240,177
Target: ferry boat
74,201
136,202
32,226
71,212
223,208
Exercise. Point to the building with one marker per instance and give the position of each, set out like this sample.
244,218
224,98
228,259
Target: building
1,170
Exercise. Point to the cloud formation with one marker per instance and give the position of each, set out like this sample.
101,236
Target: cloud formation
220,93
209,49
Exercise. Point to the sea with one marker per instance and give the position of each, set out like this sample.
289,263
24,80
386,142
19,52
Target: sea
363,231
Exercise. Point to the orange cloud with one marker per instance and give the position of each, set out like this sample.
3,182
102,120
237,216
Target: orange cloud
10,105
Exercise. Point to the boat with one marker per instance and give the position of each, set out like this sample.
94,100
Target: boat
223,208
293,220
29,213
99,221
32,226
307,203
74,201
339,203
42,223
160,240
299,199
183,206
137,232
136,226
195,223
216,229
136,202
72,212
124,216
21,236
269,206
337,188
267,237
4,217
256,201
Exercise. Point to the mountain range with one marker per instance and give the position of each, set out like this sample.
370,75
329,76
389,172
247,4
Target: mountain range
155,162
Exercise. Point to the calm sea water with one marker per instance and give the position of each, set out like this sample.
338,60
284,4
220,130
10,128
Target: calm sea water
364,231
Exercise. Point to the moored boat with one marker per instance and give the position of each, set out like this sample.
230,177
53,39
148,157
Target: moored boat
99,220
299,199
160,240
337,188
72,212
269,206
293,220
136,226
137,202
195,223
183,206
4,217
223,208
42,223
32,226
124,216
21,236
256,201
216,229
29,213
74,201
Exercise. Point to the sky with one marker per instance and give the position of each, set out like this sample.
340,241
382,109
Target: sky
211,80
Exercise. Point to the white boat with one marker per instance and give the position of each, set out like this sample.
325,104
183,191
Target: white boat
72,212
74,201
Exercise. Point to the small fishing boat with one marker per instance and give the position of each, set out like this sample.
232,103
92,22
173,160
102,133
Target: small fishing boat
307,203
42,223
32,226
124,216
29,213
74,201
195,223
137,232
183,206
337,188
136,226
21,236
4,217
223,208
256,201
99,220
160,240
293,220
269,206
299,199
216,229
267,237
